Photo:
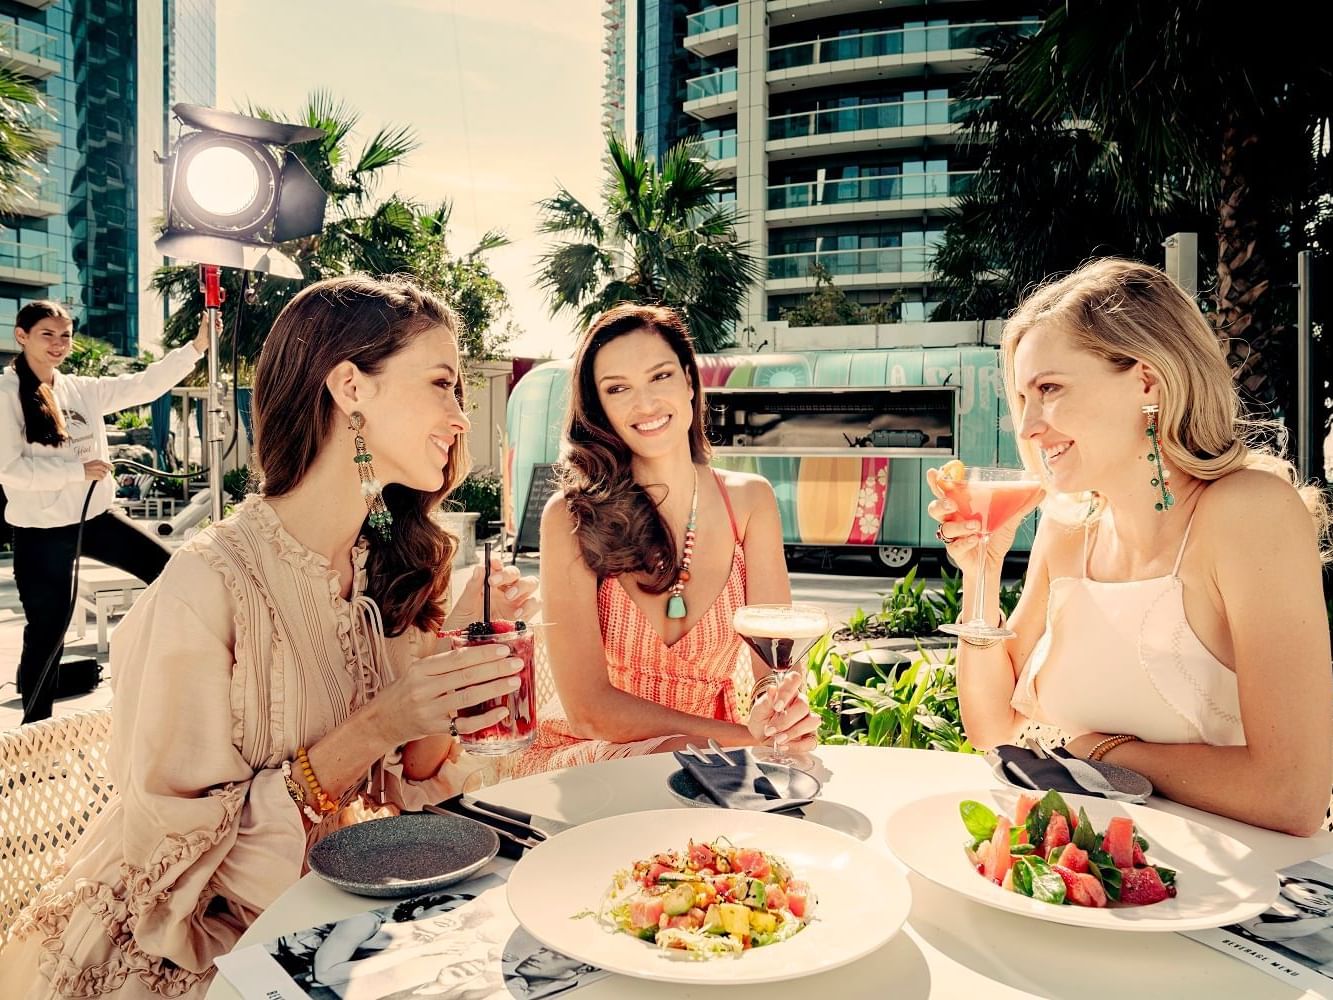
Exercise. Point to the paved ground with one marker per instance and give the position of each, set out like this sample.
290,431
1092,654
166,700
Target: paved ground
847,584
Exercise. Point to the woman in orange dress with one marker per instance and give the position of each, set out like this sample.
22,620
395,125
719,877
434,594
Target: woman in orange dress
645,554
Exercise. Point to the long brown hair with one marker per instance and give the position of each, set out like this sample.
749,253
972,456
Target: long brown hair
365,321
43,423
619,527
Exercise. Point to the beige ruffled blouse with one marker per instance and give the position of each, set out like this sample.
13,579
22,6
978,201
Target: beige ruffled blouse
241,652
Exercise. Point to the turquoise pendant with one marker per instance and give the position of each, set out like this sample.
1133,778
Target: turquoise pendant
676,606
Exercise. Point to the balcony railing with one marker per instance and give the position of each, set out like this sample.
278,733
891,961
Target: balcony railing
719,147
872,260
890,114
16,256
712,19
897,42
711,85
19,38
890,187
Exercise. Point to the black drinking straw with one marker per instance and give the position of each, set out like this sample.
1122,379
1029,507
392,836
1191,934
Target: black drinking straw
486,588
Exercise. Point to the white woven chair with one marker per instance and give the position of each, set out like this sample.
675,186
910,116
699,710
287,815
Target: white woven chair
53,782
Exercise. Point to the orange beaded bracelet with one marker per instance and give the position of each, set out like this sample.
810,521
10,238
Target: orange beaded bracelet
1110,743
322,801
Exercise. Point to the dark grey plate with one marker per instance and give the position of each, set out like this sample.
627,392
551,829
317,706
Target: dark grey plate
790,783
404,855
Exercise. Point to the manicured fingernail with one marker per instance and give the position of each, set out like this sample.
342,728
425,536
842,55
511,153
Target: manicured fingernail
515,682
499,651
779,707
769,730
780,742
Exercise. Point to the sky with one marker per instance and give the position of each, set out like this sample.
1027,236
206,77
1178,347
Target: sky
504,95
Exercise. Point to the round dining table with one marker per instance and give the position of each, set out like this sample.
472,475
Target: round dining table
950,946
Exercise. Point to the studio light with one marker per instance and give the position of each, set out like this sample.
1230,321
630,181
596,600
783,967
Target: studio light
234,190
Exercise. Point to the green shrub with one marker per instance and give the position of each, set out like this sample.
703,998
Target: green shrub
915,707
128,420
910,610
237,483
480,494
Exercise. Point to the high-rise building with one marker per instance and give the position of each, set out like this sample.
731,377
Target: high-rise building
837,119
107,70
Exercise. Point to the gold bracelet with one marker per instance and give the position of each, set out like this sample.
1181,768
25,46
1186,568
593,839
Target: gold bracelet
1109,744
978,643
298,796
762,687
322,801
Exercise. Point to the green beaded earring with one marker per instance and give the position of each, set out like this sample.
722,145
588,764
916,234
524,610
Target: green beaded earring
1162,479
380,518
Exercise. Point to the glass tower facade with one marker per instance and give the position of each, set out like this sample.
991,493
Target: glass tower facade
837,122
77,241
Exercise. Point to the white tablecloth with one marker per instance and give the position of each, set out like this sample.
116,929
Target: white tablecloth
950,948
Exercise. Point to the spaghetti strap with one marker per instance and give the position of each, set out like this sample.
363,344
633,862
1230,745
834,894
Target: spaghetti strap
1086,533
1175,570
731,515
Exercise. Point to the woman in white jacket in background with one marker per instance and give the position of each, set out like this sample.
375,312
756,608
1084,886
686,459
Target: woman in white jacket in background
53,450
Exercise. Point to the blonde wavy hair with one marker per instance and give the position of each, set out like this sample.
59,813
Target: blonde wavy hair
1124,312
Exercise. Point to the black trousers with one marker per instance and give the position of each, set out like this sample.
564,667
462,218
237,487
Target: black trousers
44,572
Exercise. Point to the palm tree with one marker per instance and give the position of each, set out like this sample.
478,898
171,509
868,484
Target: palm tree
360,233
20,144
1196,117
664,239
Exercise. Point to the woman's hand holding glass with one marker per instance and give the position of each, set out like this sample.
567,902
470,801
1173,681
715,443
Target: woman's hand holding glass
782,715
962,536
427,698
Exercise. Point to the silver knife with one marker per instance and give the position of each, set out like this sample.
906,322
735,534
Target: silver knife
503,834
541,826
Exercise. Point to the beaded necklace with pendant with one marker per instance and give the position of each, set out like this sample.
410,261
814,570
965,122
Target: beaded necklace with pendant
676,602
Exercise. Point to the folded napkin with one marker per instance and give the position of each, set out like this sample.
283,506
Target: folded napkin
1064,772
736,786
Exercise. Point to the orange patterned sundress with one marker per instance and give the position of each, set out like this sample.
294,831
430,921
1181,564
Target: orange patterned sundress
695,674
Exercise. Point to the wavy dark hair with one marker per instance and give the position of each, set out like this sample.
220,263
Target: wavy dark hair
619,527
43,422
365,321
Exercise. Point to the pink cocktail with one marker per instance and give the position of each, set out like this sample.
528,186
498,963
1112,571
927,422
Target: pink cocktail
993,503
992,497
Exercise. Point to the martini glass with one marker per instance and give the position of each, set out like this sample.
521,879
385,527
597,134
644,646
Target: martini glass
781,634
992,497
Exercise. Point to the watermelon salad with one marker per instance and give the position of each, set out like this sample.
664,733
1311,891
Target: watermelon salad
1049,853
709,900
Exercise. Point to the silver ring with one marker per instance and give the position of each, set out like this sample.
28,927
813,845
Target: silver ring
939,535
453,729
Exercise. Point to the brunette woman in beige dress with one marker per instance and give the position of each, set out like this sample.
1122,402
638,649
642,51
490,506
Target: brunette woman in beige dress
283,672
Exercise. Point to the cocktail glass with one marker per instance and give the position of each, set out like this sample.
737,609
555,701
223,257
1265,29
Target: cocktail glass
516,730
992,497
781,634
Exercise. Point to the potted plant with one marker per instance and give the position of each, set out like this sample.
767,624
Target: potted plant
472,511
910,615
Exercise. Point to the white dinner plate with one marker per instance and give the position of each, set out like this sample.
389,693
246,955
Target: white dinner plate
863,897
1218,879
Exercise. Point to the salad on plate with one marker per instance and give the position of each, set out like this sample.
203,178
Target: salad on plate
1050,854
710,900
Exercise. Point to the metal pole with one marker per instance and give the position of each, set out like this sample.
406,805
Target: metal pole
210,279
1304,293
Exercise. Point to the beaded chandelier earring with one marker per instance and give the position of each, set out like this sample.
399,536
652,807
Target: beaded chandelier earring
380,518
1162,479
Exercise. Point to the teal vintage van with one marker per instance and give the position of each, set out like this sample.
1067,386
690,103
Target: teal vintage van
845,438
